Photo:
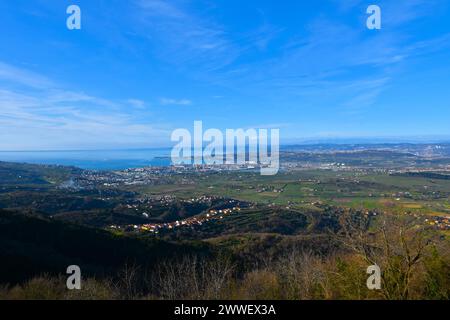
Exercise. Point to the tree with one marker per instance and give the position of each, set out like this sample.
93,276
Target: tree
397,244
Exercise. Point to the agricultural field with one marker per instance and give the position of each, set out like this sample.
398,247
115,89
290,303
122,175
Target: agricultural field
301,189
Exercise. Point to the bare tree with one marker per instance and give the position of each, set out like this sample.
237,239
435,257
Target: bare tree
301,274
128,281
396,244
192,278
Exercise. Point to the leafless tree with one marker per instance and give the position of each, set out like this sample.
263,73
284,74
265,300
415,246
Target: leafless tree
128,281
396,244
300,273
192,278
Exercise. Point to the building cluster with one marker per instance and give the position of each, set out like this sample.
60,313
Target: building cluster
90,179
199,220
439,222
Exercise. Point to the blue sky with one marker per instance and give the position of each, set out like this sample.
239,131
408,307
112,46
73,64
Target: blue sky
139,69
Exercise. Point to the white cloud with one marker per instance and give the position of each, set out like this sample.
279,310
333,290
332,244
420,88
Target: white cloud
46,117
137,103
184,38
180,102
23,77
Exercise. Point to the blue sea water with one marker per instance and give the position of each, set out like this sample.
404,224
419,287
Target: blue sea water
93,159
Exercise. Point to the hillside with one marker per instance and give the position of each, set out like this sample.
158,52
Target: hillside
31,245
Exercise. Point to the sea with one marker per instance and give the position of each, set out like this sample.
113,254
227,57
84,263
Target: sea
93,159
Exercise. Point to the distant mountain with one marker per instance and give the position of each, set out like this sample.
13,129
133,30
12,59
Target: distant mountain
419,149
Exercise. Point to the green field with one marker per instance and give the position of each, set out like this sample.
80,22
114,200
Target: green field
300,189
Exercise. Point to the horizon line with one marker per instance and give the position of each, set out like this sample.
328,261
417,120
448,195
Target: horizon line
284,145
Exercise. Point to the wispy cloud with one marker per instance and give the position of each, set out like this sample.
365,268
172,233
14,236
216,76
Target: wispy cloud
185,38
23,77
260,66
50,117
178,102
137,103
336,60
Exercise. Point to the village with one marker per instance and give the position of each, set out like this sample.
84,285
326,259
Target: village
439,222
155,228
